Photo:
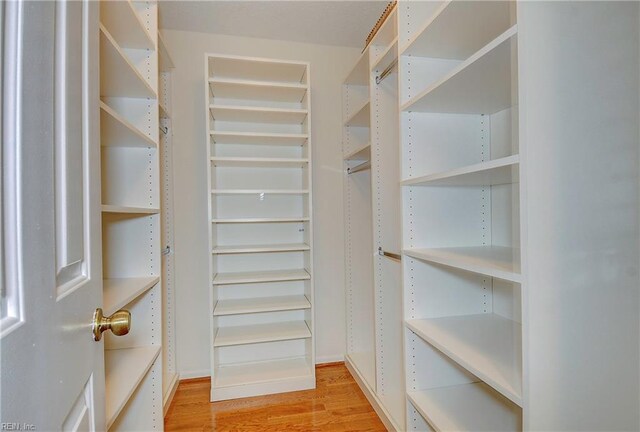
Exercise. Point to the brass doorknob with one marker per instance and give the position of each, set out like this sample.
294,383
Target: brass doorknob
119,323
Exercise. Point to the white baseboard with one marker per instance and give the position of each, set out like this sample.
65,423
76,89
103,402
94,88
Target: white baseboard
195,374
371,397
168,397
330,359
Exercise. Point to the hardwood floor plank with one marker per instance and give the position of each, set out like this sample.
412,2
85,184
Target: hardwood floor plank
336,405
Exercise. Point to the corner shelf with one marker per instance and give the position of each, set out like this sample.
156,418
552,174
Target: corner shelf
467,407
387,57
125,369
260,305
257,90
253,138
119,77
121,291
249,277
259,191
359,75
129,210
247,162
260,333
487,345
480,85
233,113
259,69
116,131
243,249
359,154
259,220
494,172
496,261
360,117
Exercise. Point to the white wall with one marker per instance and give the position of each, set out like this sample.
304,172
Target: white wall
329,66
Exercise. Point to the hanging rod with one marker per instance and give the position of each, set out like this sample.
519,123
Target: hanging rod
387,71
363,166
394,256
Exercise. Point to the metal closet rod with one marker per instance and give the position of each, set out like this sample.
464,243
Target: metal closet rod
387,71
363,166
389,254
164,130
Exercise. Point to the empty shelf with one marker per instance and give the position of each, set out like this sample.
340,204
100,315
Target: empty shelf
467,407
487,345
459,28
259,191
259,333
124,25
240,249
119,292
164,59
260,277
497,261
118,76
260,372
387,57
257,90
116,131
495,172
256,305
362,153
359,75
259,162
124,370
360,117
259,220
480,85
253,138
128,209
231,113
257,69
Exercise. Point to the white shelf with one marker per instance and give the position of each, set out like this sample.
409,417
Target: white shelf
262,304
487,345
119,292
246,162
260,277
259,220
480,85
459,28
232,113
467,407
262,372
252,138
387,57
116,131
129,210
257,90
124,370
125,25
359,75
118,76
241,249
360,117
259,191
494,172
164,59
164,111
256,69
496,261
259,333
360,154
387,31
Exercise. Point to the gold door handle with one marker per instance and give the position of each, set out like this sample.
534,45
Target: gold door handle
119,323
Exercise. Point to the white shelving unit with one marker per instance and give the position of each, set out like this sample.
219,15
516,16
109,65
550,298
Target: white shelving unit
460,180
259,166
372,221
169,366
131,212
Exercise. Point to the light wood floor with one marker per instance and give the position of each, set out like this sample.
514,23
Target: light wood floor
337,404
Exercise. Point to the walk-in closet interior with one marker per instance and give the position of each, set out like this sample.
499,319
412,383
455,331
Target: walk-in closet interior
320,215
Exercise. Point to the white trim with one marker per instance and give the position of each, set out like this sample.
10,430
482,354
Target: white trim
203,373
335,358
168,397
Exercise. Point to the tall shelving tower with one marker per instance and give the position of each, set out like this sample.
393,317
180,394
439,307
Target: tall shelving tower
260,237
130,211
